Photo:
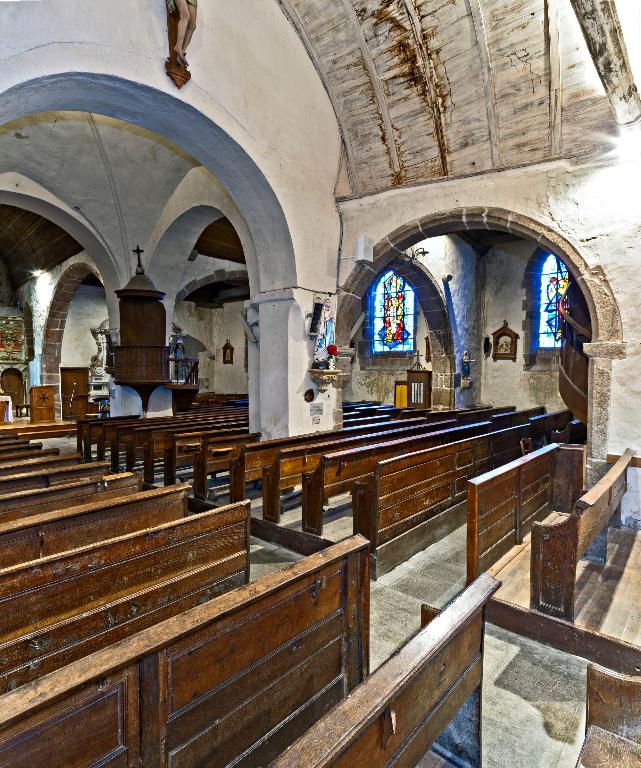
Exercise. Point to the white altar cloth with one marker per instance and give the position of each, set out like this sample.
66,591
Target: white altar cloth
6,408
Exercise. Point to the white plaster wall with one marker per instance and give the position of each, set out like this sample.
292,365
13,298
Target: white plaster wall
503,381
595,206
212,327
266,99
87,310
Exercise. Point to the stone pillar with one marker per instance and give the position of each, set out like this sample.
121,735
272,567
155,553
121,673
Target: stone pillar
601,355
253,368
285,356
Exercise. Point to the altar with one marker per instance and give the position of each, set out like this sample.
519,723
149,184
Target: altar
6,408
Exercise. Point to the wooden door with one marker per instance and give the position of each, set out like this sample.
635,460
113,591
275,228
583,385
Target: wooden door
13,385
400,394
74,389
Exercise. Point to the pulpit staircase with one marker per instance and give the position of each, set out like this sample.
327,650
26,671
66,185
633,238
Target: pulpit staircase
573,372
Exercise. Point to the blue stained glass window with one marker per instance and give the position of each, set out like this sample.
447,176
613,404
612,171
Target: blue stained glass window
554,282
394,314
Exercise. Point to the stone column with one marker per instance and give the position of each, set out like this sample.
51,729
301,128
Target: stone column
285,357
601,355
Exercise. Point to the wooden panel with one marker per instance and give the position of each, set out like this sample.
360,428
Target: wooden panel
209,696
394,717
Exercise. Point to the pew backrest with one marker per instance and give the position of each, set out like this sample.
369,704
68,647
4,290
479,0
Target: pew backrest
401,709
65,606
50,533
231,681
14,466
49,476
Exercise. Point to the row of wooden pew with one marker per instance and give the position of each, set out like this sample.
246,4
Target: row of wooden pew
130,636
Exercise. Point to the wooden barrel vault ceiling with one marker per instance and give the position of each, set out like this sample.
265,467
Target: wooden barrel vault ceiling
430,89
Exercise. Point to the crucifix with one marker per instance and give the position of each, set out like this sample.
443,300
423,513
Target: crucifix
140,270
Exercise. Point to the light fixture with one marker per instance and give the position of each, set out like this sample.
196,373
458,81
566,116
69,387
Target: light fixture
627,145
38,272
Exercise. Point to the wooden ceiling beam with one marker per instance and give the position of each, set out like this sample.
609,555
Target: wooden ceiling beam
602,31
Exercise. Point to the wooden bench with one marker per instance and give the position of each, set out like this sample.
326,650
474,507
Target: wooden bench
18,446
27,452
504,504
339,471
46,461
429,693
87,431
186,450
230,682
415,499
575,433
66,606
14,506
543,426
291,465
558,546
49,476
613,720
515,418
131,438
50,533
254,457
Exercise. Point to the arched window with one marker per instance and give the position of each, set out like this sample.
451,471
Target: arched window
393,313
554,282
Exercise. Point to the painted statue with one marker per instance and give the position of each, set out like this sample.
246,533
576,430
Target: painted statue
326,333
188,10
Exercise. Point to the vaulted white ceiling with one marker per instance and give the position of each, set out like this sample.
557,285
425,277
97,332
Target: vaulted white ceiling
428,89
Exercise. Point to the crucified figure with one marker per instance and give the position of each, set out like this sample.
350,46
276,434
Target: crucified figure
186,25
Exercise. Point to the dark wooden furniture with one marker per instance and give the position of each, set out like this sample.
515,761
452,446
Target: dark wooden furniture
339,471
419,388
575,433
19,504
48,476
233,681
503,505
254,457
576,329
428,693
21,409
415,499
74,392
514,418
63,607
141,360
557,547
50,533
613,722
544,425
43,404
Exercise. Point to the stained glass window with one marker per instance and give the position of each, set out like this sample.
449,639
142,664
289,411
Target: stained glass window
394,313
554,281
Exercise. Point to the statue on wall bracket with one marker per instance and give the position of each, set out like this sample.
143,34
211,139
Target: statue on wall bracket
181,24
326,336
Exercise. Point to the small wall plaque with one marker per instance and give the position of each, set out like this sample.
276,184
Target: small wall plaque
504,343
228,354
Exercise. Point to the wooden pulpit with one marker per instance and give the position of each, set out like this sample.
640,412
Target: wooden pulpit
43,404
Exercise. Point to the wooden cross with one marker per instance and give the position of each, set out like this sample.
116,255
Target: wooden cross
139,252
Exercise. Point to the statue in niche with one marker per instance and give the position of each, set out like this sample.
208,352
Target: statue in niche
181,24
326,335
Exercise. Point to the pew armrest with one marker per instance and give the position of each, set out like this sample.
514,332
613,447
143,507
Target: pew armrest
553,567
614,703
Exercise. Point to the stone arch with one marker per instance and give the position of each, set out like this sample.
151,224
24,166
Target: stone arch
607,328
188,128
432,303
54,327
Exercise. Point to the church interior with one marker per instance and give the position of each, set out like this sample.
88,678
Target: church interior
319,353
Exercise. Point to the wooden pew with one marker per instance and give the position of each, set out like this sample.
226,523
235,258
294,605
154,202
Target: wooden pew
515,418
291,465
415,499
49,476
232,681
50,533
156,442
339,471
46,461
66,606
253,457
504,504
429,693
543,426
557,546
18,446
85,439
186,449
28,452
131,438
613,721
575,432
14,506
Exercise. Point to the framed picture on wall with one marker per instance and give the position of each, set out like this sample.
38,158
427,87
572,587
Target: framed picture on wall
228,354
504,343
